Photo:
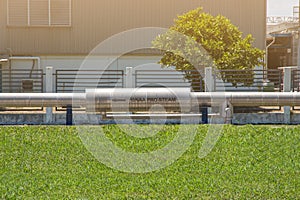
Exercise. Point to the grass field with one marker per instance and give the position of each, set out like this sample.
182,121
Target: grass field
256,162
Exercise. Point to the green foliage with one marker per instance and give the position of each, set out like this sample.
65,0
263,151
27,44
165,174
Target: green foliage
248,162
214,34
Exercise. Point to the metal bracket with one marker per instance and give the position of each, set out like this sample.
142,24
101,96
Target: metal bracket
227,112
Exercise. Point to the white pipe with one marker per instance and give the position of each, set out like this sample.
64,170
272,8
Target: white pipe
42,99
267,49
3,60
38,59
246,99
23,58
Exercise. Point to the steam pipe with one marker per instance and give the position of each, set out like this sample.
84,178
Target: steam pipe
246,99
267,52
27,58
41,99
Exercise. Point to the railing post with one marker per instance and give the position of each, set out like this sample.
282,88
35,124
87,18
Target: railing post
209,80
287,87
129,78
49,89
209,87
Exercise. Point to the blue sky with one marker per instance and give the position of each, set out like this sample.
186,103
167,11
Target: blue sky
281,7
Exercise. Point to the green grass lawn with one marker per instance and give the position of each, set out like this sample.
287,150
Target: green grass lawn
259,162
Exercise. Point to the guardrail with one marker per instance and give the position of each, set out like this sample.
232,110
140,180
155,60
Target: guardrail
26,80
79,80
296,84
296,80
169,78
249,80
22,80
246,80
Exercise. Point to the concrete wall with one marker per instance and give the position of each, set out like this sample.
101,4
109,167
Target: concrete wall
81,118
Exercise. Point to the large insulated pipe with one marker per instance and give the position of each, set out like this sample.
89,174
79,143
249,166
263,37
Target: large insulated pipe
248,99
142,100
42,99
139,99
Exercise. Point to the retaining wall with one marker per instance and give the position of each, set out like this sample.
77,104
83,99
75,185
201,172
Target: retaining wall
81,119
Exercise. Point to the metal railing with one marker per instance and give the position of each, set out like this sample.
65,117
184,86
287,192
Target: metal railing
296,84
69,81
79,80
249,80
22,81
296,80
26,80
169,78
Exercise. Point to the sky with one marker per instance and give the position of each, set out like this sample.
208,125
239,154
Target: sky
281,7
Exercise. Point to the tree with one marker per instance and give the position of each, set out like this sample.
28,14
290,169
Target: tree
220,39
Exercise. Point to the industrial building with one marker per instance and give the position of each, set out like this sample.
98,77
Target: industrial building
283,40
61,33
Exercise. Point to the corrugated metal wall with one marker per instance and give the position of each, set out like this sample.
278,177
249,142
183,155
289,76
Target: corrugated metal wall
3,44
93,21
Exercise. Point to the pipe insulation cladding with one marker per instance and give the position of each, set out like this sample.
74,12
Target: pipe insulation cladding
143,99
139,100
42,99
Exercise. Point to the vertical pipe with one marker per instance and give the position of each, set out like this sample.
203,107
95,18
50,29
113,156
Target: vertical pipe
267,53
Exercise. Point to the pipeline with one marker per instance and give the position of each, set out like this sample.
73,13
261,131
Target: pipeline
144,98
42,99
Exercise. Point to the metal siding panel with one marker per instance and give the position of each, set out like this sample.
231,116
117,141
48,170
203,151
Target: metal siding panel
59,10
94,21
3,21
18,14
39,12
